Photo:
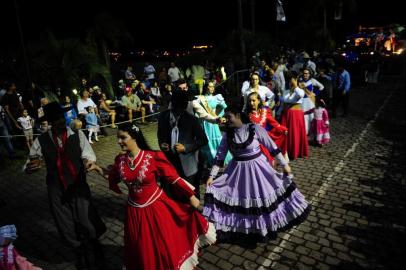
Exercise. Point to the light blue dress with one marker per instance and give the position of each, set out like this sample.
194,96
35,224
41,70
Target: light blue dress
212,131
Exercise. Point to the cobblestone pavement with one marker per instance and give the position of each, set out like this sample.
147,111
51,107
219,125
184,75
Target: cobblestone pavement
356,185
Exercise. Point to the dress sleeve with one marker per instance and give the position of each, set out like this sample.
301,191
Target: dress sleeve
296,96
87,150
275,125
201,112
222,104
266,141
269,96
325,117
114,176
220,156
168,174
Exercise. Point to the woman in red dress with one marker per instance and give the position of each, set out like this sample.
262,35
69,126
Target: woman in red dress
159,233
293,118
262,116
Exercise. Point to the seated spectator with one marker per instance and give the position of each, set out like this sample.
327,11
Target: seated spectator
147,101
129,75
43,124
95,93
166,96
105,111
133,104
156,92
162,77
69,110
121,89
84,102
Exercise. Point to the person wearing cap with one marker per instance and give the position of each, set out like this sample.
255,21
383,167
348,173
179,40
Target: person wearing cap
68,157
133,104
96,93
309,63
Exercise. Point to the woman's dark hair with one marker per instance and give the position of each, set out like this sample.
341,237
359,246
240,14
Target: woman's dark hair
235,110
244,118
206,88
292,74
249,108
135,132
320,102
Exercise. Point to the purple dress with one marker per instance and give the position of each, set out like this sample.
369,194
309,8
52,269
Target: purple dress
251,198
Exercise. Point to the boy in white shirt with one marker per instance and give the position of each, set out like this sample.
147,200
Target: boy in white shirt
27,123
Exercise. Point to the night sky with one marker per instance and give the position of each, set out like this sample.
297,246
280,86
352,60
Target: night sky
164,24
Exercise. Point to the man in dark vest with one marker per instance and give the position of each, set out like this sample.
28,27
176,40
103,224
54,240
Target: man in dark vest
180,137
68,155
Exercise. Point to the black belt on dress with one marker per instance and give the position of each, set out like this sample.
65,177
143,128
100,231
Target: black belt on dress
246,158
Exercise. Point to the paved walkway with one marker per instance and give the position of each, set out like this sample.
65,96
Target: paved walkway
356,185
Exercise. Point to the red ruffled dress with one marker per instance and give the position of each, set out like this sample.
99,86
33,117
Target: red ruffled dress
159,233
276,131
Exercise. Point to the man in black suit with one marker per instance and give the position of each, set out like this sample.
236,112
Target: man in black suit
180,136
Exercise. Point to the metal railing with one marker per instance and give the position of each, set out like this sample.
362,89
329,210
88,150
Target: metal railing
233,83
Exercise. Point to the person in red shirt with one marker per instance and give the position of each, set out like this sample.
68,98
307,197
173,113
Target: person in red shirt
262,116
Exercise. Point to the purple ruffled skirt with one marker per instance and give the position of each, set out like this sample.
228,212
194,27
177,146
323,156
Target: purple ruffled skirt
253,198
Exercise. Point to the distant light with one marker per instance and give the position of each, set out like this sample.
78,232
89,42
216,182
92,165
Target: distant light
75,92
371,53
348,41
400,51
200,46
344,54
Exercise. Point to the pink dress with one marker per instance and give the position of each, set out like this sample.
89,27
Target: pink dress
320,126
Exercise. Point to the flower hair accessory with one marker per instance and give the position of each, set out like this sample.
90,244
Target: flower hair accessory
134,127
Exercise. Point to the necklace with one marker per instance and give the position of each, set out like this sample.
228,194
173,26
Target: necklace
130,160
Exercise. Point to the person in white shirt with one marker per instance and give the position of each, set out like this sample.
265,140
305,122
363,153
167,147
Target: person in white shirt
311,83
27,123
174,73
129,75
84,102
309,63
293,118
149,70
245,87
264,92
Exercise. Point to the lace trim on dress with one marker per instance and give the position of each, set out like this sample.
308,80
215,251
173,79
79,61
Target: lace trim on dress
190,259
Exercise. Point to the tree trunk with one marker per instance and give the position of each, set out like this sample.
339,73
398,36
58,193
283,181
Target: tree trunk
253,16
240,32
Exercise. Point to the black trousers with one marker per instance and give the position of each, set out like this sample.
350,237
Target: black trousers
75,216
